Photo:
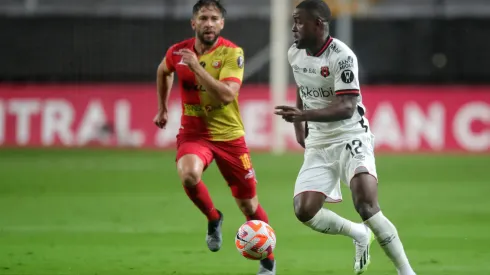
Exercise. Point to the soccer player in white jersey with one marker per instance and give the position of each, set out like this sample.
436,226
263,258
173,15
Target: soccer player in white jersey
339,144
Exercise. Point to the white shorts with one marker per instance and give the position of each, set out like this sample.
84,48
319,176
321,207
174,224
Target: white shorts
324,168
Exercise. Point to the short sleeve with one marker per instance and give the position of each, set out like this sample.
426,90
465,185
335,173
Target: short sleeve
233,67
289,55
346,73
169,61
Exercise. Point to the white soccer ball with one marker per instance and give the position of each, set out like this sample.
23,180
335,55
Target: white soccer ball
255,240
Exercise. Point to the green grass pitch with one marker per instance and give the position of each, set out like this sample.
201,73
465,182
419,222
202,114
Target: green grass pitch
93,212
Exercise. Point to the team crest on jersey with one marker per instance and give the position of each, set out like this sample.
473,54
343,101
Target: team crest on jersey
240,62
324,71
216,64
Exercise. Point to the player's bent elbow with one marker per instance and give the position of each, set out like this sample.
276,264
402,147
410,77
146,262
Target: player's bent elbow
347,106
227,98
348,111
344,114
226,101
229,92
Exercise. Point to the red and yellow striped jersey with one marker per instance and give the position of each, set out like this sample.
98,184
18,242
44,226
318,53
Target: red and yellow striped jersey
202,115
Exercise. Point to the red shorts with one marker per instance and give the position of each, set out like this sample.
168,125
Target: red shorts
232,158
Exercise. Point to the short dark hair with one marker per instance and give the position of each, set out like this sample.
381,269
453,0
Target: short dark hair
204,3
316,7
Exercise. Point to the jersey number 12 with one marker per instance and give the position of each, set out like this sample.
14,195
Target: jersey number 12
355,148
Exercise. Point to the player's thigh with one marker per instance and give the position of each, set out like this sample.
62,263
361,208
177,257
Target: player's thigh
357,157
235,164
193,157
319,173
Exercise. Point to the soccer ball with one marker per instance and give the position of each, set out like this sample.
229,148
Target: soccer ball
255,240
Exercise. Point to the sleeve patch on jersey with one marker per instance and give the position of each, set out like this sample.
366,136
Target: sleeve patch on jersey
168,63
346,63
240,62
347,76
347,92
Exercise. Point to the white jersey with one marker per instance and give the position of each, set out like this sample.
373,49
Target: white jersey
320,78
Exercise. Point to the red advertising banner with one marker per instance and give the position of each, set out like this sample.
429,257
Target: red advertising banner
403,118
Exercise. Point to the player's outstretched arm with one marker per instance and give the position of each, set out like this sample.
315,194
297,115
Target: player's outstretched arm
342,108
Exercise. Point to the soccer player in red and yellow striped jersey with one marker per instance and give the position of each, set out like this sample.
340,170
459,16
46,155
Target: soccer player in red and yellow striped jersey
210,72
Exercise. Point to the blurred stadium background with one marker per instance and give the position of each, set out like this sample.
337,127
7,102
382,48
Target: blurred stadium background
88,185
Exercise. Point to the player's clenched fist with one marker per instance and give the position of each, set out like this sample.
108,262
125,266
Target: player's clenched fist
189,58
161,119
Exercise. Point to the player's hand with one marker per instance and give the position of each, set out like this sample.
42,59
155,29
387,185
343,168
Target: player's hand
289,113
189,58
161,119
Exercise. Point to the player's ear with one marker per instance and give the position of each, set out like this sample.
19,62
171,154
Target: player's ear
319,22
193,23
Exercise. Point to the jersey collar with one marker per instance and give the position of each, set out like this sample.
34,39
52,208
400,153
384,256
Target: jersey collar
218,43
324,48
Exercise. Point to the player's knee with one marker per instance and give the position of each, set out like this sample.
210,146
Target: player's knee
366,209
248,206
190,168
307,205
304,212
190,178
365,195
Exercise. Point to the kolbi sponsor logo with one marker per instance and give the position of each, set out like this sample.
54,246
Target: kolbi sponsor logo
315,92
